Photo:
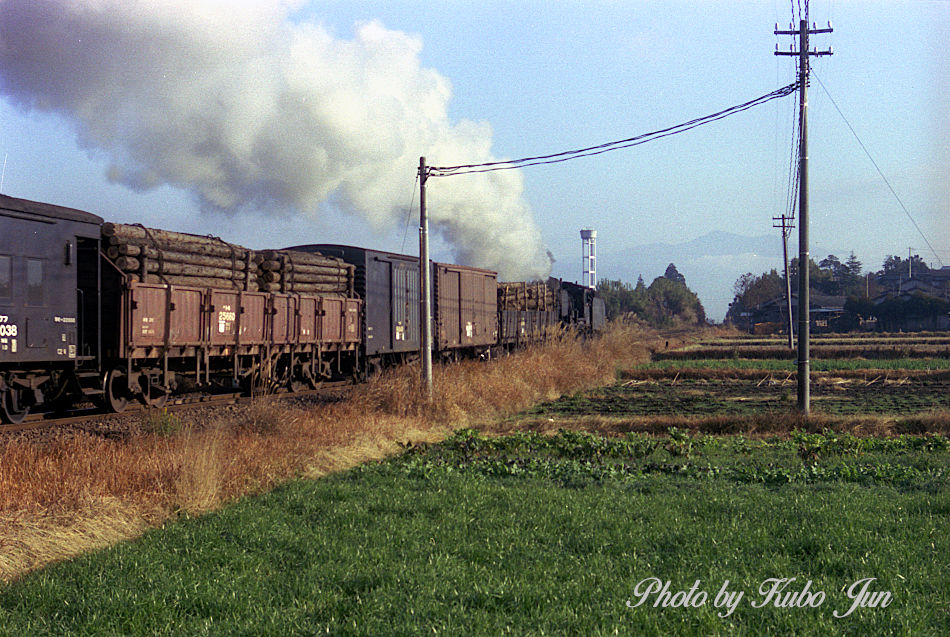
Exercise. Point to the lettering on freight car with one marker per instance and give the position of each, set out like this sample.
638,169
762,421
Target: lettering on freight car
147,326
64,319
8,329
226,317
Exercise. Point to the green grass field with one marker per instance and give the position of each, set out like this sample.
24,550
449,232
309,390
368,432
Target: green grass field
701,397
817,365
561,534
537,535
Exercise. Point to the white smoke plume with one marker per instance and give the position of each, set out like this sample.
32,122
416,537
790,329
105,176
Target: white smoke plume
247,108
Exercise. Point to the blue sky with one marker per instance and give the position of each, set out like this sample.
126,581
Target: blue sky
551,76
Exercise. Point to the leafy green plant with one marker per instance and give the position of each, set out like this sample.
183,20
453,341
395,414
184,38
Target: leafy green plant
161,422
680,442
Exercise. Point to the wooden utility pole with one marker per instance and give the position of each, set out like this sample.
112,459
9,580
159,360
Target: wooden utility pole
804,365
425,272
786,228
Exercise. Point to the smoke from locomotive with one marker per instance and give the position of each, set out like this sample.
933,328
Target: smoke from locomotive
245,105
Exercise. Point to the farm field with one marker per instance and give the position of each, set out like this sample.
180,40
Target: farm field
531,534
545,521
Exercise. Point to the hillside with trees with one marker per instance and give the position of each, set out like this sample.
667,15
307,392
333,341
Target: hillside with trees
666,302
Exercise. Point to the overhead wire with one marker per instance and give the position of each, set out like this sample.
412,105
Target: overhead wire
879,171
553,158
412,200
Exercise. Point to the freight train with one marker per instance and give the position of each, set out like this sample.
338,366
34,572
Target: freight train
112,313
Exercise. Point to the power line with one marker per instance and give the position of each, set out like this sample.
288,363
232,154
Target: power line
879,171
448,171
412,200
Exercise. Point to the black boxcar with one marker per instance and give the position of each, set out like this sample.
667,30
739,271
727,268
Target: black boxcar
49,279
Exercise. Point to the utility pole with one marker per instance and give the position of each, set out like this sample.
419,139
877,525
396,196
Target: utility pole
804,365
786,228
910,265
425,273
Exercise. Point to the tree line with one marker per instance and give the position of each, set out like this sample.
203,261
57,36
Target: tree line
666,302
836,278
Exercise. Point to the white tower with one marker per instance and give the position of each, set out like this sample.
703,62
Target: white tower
589,239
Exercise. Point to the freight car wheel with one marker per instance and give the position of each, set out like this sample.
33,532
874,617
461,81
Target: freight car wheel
152,394
13,410
117,390
156,397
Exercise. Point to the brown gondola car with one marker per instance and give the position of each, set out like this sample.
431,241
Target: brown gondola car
168,332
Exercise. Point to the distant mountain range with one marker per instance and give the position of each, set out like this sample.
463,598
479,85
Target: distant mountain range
711,263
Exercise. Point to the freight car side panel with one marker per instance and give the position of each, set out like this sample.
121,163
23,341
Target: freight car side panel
235,317
448,310
380,294
339,321
465,307
351,327
486,309
40,285
405,306
282,319
331,320
148,304
160,316
307,328
253,310
225,310
185,315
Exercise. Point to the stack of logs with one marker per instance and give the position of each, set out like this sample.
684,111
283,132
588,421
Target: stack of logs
288,271
176,258
534,295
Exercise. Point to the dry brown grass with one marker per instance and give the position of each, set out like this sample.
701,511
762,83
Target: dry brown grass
78,492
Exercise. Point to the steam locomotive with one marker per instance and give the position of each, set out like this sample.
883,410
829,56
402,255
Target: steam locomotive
82,320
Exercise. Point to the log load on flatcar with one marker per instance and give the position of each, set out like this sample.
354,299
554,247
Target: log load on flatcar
251,320
113,313
527,312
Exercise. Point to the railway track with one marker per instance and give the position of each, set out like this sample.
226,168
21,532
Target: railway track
181,403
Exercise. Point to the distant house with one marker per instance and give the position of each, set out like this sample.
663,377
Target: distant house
825,313
931,282
914,309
